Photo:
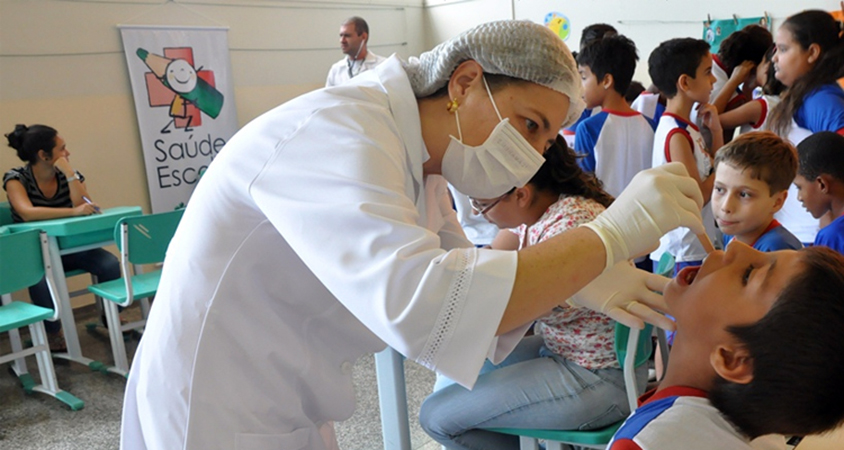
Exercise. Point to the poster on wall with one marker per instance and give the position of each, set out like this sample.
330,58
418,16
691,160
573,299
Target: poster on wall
559,24
184,99
715,31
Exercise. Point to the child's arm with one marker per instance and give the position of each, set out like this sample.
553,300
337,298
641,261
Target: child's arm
505,240
680,150
746,114
738,76
709,114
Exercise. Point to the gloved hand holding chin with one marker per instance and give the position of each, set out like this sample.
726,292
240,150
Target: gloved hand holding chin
628,295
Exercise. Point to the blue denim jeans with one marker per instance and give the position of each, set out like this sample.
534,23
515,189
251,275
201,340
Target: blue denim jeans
531,388
96,261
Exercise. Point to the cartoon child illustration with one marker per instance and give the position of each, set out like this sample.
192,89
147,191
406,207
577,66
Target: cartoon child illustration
179,76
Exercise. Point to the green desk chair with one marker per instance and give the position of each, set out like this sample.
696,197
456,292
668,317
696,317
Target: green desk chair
6,219
141,240
24,261
632,348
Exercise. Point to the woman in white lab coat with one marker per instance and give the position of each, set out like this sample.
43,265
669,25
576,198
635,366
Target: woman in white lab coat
323,232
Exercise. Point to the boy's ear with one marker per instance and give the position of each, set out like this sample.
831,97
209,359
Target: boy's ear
779,200
683,83
824,182
608,81
733,363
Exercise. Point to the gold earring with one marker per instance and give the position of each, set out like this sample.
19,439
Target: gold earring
452,106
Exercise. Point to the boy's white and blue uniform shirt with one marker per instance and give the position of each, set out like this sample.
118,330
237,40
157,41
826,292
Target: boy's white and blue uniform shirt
681,242
615,147
680,417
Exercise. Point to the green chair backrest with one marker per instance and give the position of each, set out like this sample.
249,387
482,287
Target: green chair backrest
665,267
21,260
6,213
643,348
148,236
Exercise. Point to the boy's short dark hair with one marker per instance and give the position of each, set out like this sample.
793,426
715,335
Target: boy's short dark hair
798,356
614,55
673,58
748,44
596,32
821,153
767,156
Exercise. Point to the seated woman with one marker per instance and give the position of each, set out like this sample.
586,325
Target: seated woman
758,353
566,375
48,187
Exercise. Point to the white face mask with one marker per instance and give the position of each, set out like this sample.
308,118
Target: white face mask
504,161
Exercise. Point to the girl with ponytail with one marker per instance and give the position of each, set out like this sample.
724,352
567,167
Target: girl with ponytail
565,376
809,59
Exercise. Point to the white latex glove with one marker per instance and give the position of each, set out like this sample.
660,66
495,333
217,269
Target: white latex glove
655,202
627,295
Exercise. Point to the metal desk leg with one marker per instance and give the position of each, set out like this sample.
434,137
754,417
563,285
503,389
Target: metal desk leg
392,395
18,365
74,350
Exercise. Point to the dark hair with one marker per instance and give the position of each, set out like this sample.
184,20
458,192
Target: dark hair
748,44
772,85
360,24
614,55
675,57
807,28
596,32
27,141
561,174
767,156
634,91
798,356
821,153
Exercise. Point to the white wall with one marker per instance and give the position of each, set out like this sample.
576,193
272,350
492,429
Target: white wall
62,64
646,22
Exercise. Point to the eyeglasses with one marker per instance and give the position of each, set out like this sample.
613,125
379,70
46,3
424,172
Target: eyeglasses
483,209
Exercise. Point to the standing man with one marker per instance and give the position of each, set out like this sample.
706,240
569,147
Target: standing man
354,34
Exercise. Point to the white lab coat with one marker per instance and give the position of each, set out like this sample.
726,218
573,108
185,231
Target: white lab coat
312,240
339,72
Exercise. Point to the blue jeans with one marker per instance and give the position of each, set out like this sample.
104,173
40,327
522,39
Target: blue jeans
97,261
531,388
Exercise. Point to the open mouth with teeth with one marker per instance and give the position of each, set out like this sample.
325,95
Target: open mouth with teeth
687,276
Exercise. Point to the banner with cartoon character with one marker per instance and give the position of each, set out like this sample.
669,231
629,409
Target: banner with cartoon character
184,99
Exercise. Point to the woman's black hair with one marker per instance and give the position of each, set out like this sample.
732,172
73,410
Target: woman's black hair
798,356
748,44
561,174
772,85
27,141
807,28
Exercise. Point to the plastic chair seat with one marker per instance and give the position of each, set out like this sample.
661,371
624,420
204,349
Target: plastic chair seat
20,314
143,285
590,437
